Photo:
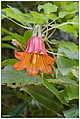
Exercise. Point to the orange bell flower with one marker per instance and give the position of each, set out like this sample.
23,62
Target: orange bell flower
34,59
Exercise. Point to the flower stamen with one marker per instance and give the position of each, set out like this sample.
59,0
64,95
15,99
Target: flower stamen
34,58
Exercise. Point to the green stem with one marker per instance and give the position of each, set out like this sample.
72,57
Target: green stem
57,19
52,33
54,53
19,24
59,26
42,75
39,31
49,46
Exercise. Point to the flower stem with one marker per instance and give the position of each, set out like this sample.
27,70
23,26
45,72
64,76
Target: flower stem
42,75
52,33
59,26
49,46
54,53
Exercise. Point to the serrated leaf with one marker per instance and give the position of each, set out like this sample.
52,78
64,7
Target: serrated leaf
72,92
70,29
71,6
44,97
73,112
54,91
18,109
65,65
67,27
62,14
36,18
67,53
51,16
15,14
15,78
48,8
68,49
74,21
10,77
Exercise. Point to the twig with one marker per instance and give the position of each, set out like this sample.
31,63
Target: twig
57,19
49,24
60,26
54,53
49,46
52,33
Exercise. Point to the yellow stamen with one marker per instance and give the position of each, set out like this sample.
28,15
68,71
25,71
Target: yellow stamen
34,59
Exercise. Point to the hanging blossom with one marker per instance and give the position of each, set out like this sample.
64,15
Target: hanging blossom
34,59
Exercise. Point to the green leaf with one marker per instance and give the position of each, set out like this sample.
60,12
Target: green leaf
73,112
51,16
68,49
6,31
19,108
72,92
21,78
71,6
74,21
6,38
62,80
67,27
19,38
8,62
75,71
27,34
52,88
68,53
70,29
15,14
44,97
62,14
15,36
65,65
6,45
3,15
36,18
23,96
48,8
14,78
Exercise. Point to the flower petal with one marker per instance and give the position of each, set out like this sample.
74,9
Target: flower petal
48,59
44,67
32,68
18,66
19,55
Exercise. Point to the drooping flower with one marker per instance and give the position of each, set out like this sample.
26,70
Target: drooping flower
34,59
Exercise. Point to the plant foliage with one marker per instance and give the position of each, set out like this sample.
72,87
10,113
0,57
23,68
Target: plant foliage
56,95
